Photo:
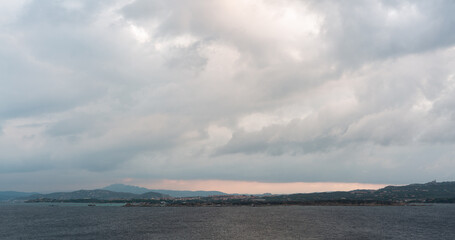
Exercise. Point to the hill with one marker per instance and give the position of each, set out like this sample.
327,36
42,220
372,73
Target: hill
95,194
126,188
172,193
432,192
427,192
11,195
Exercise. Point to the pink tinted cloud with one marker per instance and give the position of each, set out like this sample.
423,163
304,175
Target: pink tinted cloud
252,187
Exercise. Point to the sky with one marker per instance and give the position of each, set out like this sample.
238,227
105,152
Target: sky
255,95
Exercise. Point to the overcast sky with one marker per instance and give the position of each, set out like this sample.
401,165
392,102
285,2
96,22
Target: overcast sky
264,91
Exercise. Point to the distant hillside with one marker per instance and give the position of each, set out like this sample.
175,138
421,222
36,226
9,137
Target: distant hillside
126,188
428,192
96,194
172,193
432,192
11,195
152,195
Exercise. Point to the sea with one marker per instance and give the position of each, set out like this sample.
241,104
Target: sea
80,221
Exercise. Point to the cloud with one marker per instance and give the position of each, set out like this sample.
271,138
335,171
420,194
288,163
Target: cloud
367,31
248,91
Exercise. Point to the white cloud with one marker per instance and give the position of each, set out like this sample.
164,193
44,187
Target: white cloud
288,90
139,33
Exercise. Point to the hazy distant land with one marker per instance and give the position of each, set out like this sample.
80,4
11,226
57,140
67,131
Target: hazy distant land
432,192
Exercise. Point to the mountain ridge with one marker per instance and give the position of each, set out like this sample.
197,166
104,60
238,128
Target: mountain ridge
172,193
98,194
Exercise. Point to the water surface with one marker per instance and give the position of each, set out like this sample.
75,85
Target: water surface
41,221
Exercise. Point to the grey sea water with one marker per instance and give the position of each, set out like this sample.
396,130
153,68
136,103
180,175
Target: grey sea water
41,221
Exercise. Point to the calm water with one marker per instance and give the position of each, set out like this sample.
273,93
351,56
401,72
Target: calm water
288,222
